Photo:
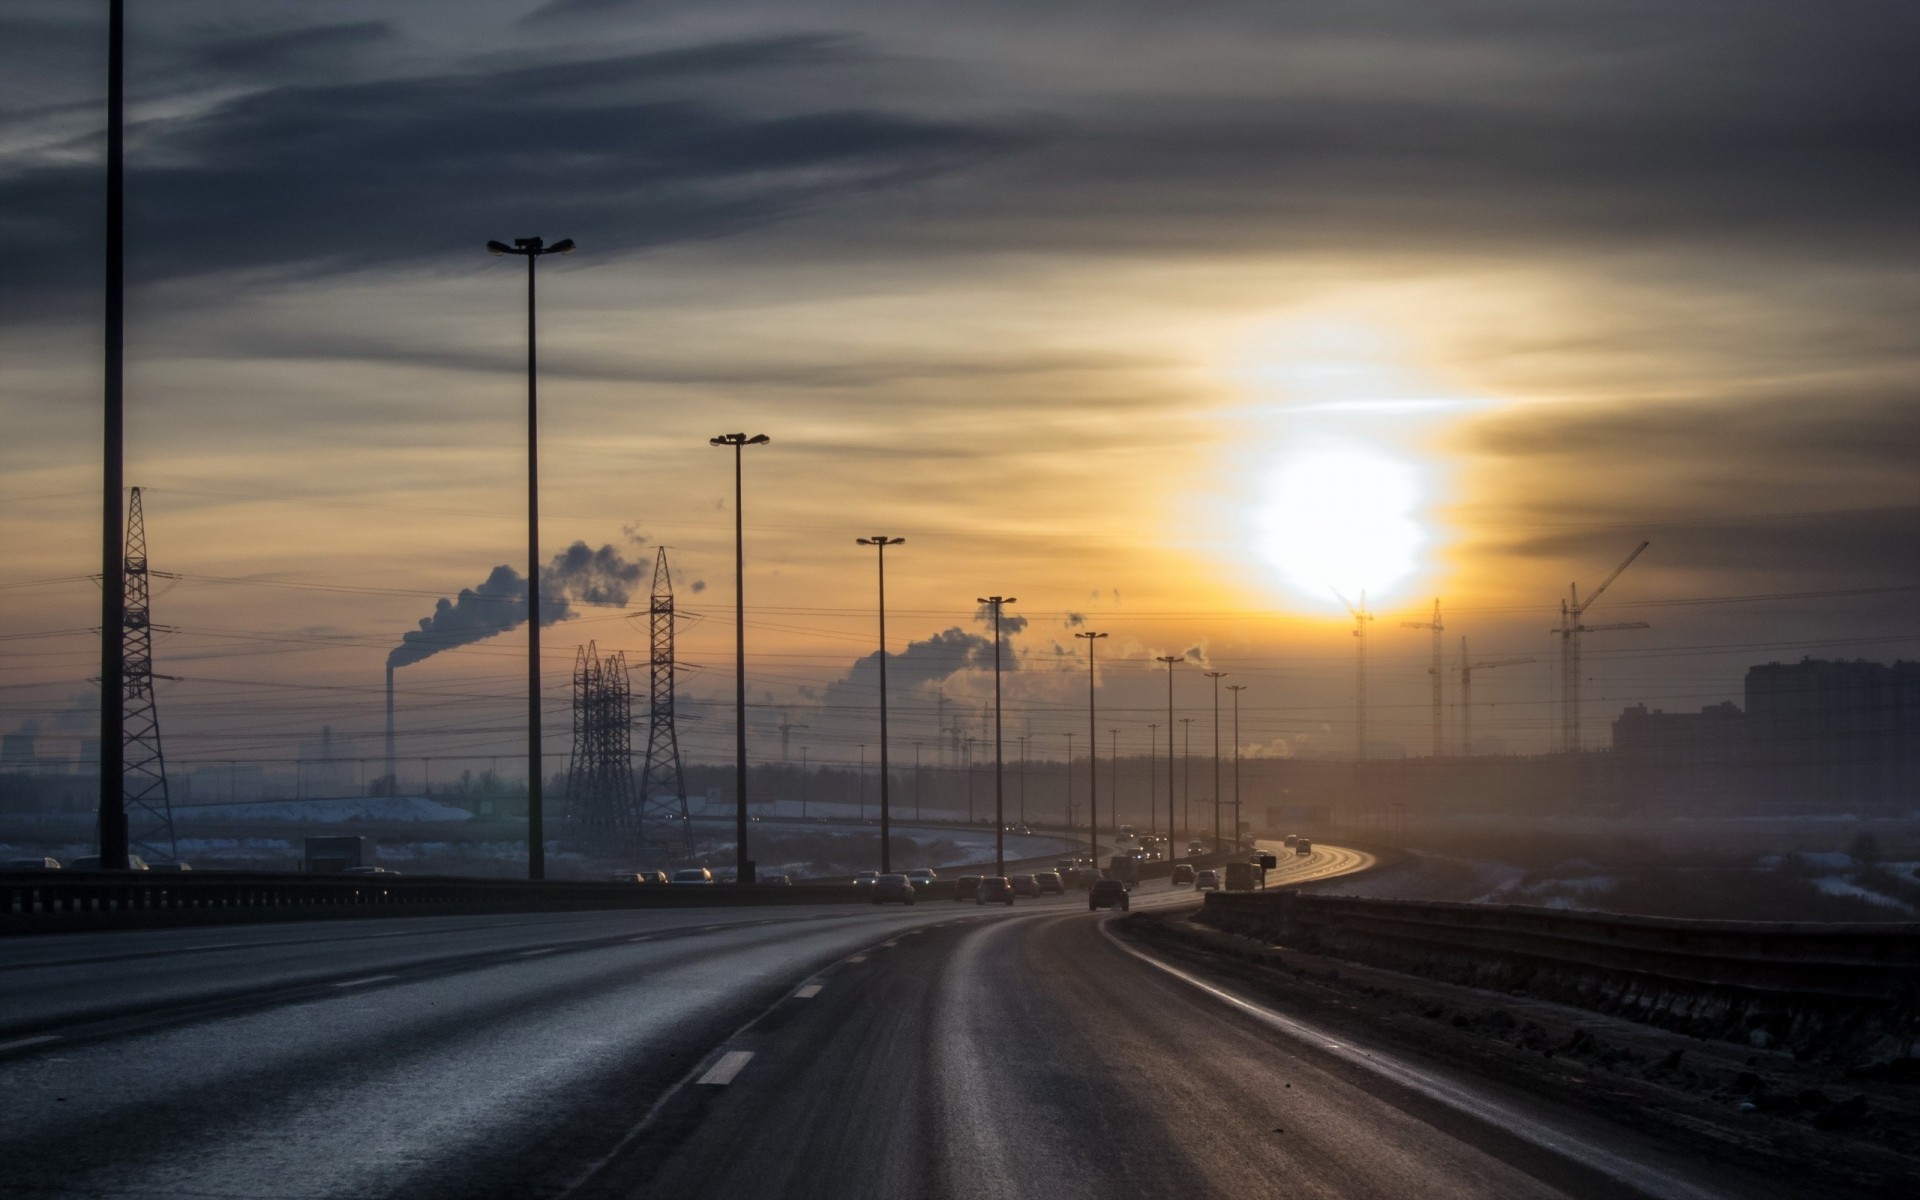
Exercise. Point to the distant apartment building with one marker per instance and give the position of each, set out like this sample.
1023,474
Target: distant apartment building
16,752
1681,761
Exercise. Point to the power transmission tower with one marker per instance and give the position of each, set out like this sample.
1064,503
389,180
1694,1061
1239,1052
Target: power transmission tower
1571,610
600,805
149,808
663,785
1435,670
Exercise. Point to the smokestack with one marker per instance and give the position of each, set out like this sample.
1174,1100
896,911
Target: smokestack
393,780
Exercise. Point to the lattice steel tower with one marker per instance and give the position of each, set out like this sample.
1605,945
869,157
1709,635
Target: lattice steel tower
663,786
149,808
600,776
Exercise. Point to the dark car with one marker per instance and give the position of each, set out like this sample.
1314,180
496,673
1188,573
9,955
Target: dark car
775,879
91,862
1050,883
1182,873
1025,885
1109,893
994,889
894,888
966,887
170,866
1303,846
30,864
1207,881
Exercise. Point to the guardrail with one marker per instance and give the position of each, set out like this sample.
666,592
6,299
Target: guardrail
49,901
1761,982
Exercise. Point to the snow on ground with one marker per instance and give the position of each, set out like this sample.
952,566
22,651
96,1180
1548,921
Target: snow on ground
1833,885
341,811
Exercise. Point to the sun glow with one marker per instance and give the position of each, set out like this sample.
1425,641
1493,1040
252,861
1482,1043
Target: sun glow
1341,514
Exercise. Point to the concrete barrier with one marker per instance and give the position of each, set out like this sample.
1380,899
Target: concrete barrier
1828,988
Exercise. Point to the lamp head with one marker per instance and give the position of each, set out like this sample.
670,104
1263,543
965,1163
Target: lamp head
498,248
563,246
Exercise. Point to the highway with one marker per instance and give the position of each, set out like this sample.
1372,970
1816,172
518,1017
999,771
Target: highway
940,1050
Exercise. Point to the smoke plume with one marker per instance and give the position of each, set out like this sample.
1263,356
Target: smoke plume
577,575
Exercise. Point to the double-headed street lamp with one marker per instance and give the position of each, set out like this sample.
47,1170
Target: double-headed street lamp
999,788
1216,676
743,866
1236,689
880,542
1170,660
532,248
1093,756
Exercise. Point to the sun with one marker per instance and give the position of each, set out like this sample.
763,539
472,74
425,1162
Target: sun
1340,514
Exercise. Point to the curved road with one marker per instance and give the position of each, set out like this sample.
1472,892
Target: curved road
939,1050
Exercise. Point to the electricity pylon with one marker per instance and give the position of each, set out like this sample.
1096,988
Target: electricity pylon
663,785
1435,670
600,804
1571,610
148,806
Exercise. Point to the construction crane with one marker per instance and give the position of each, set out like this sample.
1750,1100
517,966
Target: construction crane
1467,668
1572,609
1360,618
1435,670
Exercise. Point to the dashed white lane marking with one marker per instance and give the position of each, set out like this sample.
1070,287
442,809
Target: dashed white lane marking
363,982
23,1043
730,1064
645,937
806,993
541,950
216,946
858,958
894,942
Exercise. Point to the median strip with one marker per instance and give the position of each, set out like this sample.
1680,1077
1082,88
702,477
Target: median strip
730,1064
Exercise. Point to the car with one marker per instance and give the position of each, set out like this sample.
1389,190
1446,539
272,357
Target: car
91,862
692,875
864,879
30,864
626,877
921,878
1303,846
892,887
170,866
368,871
1025,885
994,889
774,879
1182,873
1207,881
1023,830
1050,883
1109,893
1196,846
653,877
967,887
1289,840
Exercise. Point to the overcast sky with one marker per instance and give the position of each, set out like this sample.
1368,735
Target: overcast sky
1166,319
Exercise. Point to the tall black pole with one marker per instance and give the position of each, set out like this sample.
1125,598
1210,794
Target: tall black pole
999,766
1236,689
886,815
1170,660
536,826
1093,756
742,868
1218,845
113,581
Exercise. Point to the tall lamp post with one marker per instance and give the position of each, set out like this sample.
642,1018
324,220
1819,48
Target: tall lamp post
1170,660
1186,774
1216,676
743,866
999,793
1093,755
531,249
880,542
112,819
1236,689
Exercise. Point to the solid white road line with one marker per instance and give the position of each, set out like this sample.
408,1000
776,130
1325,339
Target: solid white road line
730,1064
806,993
23,1043
363,982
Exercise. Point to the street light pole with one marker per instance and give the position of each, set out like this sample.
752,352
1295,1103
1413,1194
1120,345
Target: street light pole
1236,689
1170,660
1216,677
743,866
112,818
1093,754
531,249
1153,784
1186,774
880,542
999,782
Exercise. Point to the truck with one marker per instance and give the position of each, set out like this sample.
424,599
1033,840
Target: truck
1125,868
1242,877
332,855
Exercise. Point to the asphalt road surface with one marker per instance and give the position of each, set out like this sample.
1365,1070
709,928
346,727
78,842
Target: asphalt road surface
940,1050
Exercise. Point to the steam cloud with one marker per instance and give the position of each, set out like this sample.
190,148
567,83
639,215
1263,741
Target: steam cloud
577,575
